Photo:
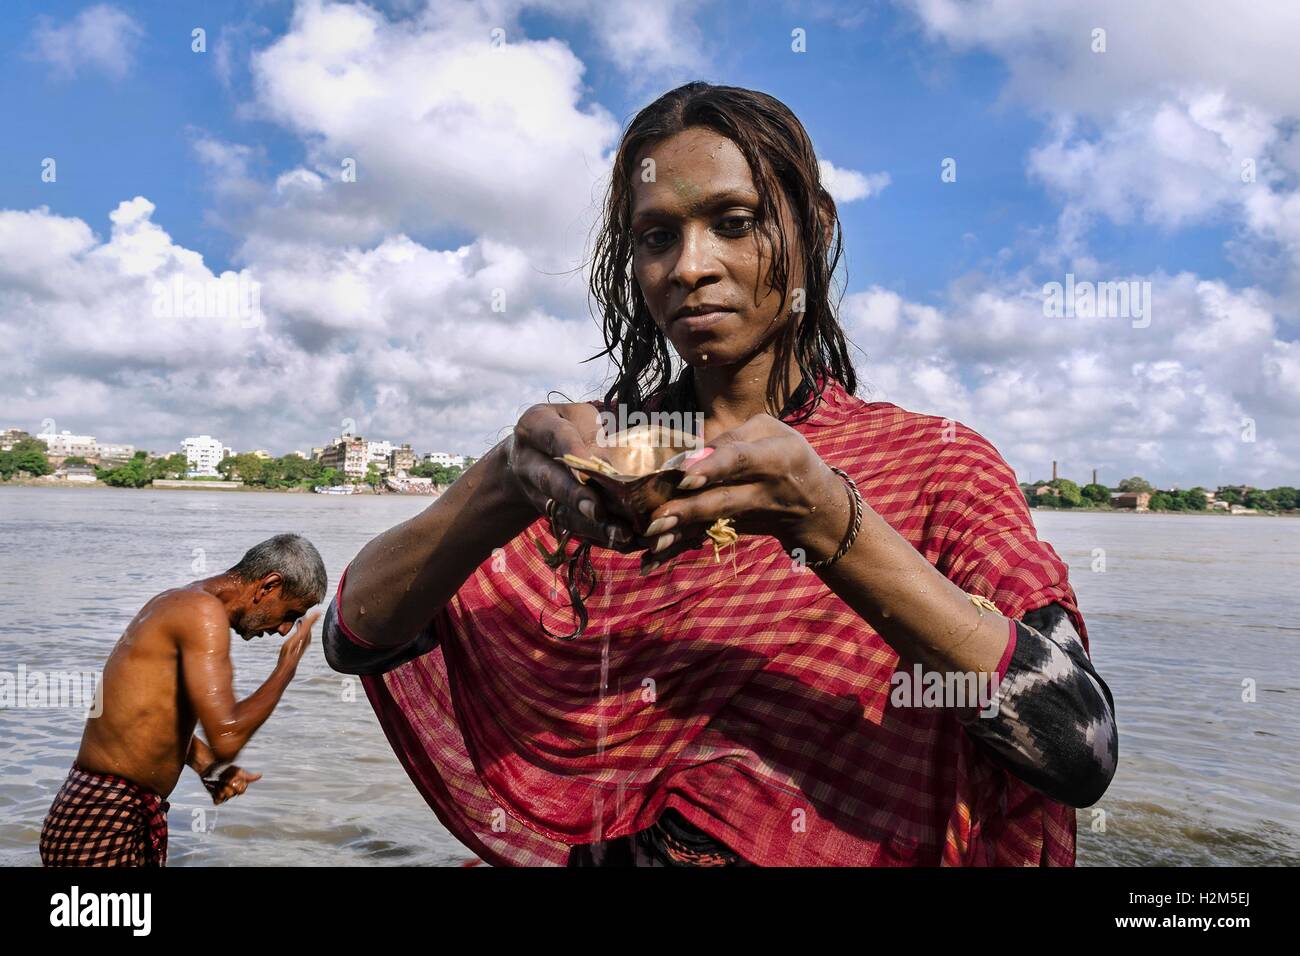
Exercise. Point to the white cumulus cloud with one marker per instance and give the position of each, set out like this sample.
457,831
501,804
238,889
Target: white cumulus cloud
100,38
847,185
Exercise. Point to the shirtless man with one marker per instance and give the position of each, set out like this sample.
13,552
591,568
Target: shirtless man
170,670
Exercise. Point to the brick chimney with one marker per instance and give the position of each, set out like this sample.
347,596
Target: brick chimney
1053,469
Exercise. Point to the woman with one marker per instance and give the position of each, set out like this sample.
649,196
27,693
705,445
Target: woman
758,710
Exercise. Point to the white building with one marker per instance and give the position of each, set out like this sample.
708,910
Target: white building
65,444
83,474
378,453
116,452
445,458
10,437
202,455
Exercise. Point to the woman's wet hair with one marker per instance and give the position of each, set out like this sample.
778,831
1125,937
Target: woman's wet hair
781,157
291,556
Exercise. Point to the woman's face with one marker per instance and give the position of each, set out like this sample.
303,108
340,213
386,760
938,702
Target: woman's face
697,254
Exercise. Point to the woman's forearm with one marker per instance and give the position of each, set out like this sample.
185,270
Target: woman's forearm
1051,721
402,577
909,603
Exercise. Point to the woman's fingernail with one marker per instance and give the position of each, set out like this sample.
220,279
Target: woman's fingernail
646,569
664,541
697,455
691,482
659,525
588,508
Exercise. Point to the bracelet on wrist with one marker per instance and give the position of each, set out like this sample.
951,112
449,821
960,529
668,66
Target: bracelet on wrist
855,525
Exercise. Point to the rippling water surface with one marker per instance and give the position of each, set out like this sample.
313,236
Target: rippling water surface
1187,608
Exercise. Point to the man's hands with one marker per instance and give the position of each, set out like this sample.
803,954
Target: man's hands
231,782
224,781
295,644
546,432
767,479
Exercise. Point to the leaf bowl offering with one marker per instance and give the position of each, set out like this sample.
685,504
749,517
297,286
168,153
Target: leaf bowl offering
640,472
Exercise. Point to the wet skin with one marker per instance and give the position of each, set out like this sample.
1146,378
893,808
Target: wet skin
171,670
698,242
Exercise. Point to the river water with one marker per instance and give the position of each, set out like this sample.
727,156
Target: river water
1187,616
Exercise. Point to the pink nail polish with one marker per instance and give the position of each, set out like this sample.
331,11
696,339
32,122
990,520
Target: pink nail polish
699,455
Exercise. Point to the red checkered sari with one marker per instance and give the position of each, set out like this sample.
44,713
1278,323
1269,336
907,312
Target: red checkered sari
753,701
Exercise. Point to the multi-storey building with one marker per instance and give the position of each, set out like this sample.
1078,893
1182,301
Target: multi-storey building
202,455
401,460
64,444
378,453
445,458
349,454
109,452
10,437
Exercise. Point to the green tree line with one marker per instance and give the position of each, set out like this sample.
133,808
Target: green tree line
140,471
29,457
26,457
1070,495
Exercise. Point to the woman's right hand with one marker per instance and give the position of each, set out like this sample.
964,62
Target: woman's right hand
547,432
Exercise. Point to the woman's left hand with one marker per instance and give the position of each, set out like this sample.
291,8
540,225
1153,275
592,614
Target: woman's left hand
765,477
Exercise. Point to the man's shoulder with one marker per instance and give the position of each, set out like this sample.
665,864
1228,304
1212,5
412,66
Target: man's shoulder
190,614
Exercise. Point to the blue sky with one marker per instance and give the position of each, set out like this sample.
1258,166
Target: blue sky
114,93
873,96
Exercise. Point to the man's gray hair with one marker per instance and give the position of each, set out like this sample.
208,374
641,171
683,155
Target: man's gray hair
294,558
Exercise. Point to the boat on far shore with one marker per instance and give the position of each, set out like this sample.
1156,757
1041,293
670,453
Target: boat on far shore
337,490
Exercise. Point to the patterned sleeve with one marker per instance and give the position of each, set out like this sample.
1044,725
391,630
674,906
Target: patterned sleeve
1055,724
1053,721
348,653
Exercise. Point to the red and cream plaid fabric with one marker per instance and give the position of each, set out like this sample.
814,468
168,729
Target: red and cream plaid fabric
754,702
101,819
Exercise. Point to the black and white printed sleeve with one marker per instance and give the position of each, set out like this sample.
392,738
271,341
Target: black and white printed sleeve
1054,724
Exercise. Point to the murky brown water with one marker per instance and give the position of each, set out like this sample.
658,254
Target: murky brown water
1187,608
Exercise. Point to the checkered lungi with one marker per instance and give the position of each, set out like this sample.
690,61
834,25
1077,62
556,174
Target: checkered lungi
101,819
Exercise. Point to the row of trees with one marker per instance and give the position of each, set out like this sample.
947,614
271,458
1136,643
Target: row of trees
1193,499
29,457
287,471
140,470
1069,495
291,471
1284,498
441,474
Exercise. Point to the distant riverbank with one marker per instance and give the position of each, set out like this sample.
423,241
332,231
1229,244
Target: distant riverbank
1131,511
227,487
439,489
188,486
